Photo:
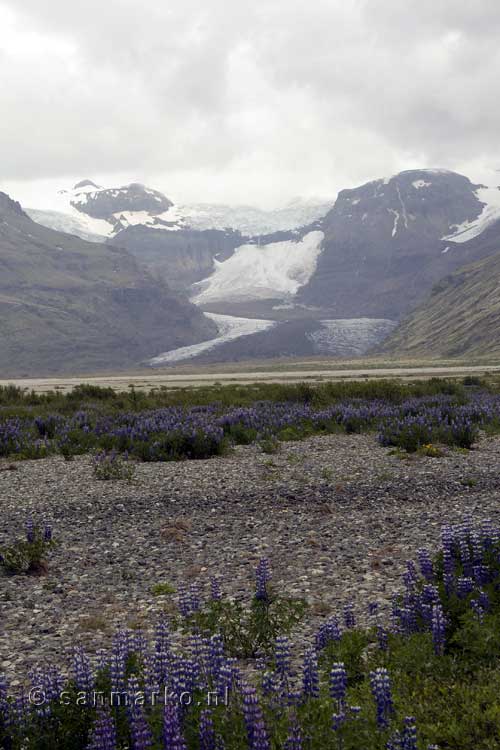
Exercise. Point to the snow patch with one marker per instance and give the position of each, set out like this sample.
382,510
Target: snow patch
229,328
257,271
396,221
419,184
490,198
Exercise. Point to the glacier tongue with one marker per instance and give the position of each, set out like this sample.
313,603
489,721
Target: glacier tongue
230,328
255,271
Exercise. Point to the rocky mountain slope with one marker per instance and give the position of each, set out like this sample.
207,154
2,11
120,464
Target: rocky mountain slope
374,256
461,316
72,306
387,242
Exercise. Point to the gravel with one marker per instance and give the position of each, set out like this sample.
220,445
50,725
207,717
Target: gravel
338,516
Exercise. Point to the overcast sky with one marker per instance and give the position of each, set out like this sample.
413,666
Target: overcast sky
245,101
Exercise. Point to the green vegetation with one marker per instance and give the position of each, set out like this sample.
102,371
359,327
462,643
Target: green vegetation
15,401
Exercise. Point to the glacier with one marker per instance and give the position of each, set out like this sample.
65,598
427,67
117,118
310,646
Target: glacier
256,271
229,329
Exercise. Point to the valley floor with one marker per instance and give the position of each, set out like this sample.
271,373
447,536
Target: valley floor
337,515
308,370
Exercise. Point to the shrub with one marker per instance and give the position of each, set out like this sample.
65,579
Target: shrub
108,466
27,556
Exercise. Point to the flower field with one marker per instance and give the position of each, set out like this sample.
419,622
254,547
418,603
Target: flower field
429,678
202,431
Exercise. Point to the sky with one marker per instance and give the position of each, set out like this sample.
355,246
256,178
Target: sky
245,102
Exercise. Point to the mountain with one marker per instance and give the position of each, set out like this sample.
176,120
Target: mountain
387,242
330,279
67,305
180,244
461,316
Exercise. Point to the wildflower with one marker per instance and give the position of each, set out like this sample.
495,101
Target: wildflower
438,629
207,732
254,720
328,632
103,734
282,656
382,638
381,690
338,682
215,591
30,531
349,620
294,740
172,735
310,674
262,577
425,563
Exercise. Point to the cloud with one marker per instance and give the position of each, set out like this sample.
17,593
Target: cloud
246,101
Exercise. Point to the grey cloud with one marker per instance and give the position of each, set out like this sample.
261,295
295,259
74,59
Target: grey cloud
263,100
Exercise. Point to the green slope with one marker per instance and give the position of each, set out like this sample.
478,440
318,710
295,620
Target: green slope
67,305
460,317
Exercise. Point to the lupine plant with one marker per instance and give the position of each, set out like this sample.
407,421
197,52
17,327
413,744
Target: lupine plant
247,629
27,555
109,465
179,432
428,679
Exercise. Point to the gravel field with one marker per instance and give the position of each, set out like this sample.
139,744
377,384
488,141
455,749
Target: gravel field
338,516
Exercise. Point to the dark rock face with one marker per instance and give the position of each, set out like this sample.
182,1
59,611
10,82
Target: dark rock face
7,205
383,247
102,204
70,306
180,257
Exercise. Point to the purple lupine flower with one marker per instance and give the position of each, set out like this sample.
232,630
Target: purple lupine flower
30,531
338,682
438,629
310,674
47,533
207,732
294,740
262,578
410,577
480,605
254,720
215,590
425,563
103,733
381,690
162,636
21,709
282,656
172,735
338,720
409,735
481,574
448,555
140,732
382,638
465,586
328,632
4,701
82,670
349,619
373,609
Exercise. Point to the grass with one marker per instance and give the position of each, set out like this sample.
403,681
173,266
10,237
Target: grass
15,401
